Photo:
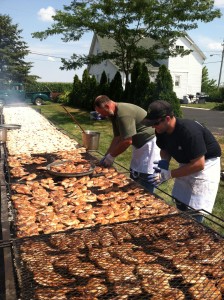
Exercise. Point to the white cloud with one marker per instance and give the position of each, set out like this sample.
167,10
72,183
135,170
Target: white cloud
50,58
219,3
45,14
209,44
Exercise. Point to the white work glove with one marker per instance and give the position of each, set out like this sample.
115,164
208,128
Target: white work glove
107,161
159,176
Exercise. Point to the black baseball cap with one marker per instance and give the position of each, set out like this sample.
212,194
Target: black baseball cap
157,110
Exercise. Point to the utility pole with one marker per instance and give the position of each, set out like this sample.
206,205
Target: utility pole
220,72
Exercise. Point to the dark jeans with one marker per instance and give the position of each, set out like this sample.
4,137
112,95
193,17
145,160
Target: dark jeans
142,178
183,207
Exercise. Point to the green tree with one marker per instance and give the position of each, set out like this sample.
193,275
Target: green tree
221,95
89,91
103,88
142,87
93,92
164,89
164,82
207,85
151,92
128,23
12,52
86,90
76,94
116,89
135,73
127,95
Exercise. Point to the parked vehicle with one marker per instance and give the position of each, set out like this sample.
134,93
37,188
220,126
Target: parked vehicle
188,99
198,98
202,97
15,92
94,115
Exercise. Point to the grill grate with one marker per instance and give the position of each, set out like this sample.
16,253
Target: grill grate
53,204
169,257
22,165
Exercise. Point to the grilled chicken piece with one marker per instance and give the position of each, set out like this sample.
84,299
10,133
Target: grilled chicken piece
21,188
29,177
94,288
53,294
121,273
205,290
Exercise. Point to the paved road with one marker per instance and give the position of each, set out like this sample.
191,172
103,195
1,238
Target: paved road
214,120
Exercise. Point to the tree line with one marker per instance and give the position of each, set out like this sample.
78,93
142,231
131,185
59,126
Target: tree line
139,90
128,24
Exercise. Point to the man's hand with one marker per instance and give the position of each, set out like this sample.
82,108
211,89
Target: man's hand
107,160
101,161
162,164
159,176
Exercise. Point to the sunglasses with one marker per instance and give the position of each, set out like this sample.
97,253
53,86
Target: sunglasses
158,122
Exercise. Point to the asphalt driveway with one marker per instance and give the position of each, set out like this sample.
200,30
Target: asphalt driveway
214,120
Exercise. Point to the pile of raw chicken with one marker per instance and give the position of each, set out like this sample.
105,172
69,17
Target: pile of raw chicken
37,134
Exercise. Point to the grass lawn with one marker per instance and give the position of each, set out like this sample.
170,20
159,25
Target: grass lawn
207,105
57,115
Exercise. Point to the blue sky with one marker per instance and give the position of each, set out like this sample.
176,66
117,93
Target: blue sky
35,15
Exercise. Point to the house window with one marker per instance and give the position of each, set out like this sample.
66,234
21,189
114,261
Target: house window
177,81
152,77
179,47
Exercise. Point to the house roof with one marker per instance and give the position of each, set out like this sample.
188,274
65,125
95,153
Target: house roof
195,46
108,45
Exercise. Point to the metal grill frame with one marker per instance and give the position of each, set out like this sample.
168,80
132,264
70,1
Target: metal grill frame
10,252
23,275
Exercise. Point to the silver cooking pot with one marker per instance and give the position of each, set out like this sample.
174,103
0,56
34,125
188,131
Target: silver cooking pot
90,139
3,135
10,126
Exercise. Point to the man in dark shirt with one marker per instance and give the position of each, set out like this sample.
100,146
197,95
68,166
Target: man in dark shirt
195,149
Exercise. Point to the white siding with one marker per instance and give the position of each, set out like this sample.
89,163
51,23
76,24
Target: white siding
97,70
107,66
187,69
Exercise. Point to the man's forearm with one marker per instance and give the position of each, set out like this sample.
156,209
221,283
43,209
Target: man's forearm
118,146
113,145
165,155
188,169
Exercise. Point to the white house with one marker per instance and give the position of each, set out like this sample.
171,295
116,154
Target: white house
186,71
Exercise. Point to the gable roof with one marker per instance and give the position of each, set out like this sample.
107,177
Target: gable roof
108,45
189,39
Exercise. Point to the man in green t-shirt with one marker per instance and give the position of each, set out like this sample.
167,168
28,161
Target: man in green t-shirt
128,130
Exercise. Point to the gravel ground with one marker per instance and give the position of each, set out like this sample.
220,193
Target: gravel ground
37,134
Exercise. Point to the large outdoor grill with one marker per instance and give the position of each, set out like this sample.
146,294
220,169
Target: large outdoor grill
96,234
49,203
168,257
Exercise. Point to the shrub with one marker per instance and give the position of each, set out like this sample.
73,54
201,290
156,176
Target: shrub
64,98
